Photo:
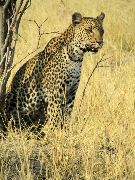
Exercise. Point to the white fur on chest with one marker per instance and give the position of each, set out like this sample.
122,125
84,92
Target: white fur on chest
73,70
73,74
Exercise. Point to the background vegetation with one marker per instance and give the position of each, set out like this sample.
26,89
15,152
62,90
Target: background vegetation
100,140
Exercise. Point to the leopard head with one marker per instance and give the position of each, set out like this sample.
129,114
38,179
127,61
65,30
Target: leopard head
88,32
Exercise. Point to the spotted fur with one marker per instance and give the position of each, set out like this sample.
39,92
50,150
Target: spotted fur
44,88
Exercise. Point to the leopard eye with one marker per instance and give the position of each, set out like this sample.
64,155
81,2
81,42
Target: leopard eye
88,30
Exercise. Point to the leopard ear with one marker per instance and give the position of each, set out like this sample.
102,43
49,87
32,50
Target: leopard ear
76,18
101,17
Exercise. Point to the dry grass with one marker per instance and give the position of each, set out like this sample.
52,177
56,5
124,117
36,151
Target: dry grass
100,142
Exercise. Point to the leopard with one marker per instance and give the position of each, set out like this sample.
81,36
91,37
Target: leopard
43,90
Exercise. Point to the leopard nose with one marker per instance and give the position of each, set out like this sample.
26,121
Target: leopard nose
100,42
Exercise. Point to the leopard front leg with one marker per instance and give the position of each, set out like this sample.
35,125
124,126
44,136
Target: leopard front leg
54,111
70,98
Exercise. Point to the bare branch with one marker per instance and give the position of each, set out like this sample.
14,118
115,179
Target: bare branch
96,66
10,45
10,33
40,34
2,60
37,47
17,34
39,26
17,27
53,32
13,8
28,5
43,22
4,80
91,74
105,66
21,14
6,4
23,59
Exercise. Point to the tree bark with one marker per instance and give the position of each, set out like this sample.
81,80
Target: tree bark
6,13
1,27
1,35
10,21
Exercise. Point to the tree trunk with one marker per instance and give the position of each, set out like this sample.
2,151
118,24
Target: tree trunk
1,27
10,20
6,12
1,36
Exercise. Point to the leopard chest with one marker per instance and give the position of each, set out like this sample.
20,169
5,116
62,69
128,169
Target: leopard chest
73,76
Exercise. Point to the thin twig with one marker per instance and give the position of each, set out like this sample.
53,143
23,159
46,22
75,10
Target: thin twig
91,74
38,41
53,32
2,61
40,34
105,66
6,4
24,58
101,60
20,36
28,5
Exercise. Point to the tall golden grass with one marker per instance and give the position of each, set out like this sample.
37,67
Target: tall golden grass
100,140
